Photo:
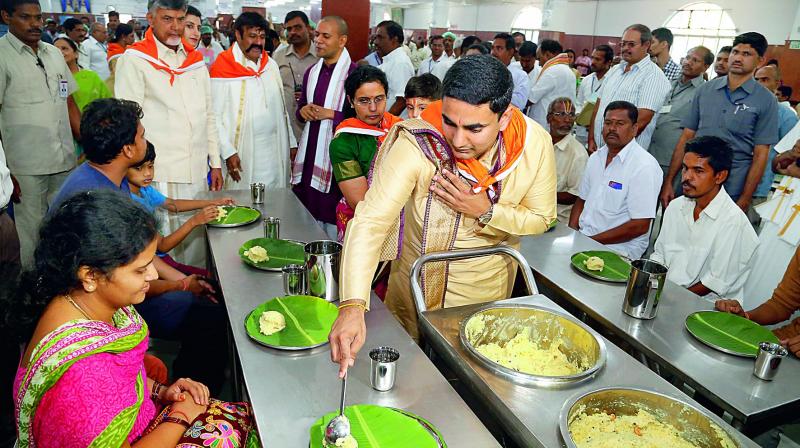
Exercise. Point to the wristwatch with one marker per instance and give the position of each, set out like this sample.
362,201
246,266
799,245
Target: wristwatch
486,217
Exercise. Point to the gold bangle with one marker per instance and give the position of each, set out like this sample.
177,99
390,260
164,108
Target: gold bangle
353,303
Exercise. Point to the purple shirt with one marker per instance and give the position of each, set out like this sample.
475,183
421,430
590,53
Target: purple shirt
321,205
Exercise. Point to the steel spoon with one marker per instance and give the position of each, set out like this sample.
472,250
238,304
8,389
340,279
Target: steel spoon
339,427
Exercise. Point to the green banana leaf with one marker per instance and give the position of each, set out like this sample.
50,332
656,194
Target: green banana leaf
616,268
728,332
379,427
308,322
237,215
280,252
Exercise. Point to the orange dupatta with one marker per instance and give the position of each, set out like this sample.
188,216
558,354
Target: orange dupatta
148,50
513,141
226,67
114,51
356,126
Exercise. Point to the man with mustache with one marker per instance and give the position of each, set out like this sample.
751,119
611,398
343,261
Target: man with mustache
38,117
255,131
571,156
706,241
739,110
589,90
721,63
637,80
617,198
472,172
168,78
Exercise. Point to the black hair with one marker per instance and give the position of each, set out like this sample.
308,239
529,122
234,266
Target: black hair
480,80
107,125
608,52
785,91
725,49
518,33
755,40
715,149
393,30
113,14
480,47
468,42
291,15
122,30
570,50
528,48
71,23
149,155
362,75
268,45
192,11
509,40
250,19
101,230
424,86
69,42
10,5
772,62
551,46
664,35
633,112
708,56
435,37
646,36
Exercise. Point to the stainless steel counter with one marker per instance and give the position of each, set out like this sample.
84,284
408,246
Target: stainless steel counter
726,380
528,413
289,391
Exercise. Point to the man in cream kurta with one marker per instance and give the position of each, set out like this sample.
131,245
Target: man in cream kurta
178,116
515,197
255,133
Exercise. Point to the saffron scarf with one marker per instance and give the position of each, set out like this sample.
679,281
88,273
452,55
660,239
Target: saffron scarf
356,126
148,50
322,174
114,51
60,349
227,67
562,58
512,143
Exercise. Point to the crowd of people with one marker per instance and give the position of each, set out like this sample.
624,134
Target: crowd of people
110,132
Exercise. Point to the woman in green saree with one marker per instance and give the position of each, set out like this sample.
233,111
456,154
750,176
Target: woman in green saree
90,85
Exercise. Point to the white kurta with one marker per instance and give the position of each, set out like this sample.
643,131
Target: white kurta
254,109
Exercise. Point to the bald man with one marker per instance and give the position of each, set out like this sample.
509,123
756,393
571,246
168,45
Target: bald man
320,110
96,51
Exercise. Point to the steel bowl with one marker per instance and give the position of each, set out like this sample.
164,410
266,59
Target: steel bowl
504,322
695,425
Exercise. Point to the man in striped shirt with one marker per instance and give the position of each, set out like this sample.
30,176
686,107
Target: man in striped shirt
637,80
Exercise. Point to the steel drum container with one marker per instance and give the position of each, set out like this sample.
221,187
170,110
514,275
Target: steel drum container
503,322
695,425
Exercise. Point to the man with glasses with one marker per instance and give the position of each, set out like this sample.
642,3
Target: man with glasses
637,80
571,156
38,116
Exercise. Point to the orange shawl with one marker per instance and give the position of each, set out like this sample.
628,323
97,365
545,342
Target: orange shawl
356,126
226,67
114,51
146,49
562,58
513,142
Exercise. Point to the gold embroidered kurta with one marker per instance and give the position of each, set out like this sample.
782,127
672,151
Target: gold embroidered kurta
526,206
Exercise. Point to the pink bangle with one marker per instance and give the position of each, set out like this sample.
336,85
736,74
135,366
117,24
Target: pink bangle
184,284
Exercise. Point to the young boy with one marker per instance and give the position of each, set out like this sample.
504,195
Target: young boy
140,177
421,91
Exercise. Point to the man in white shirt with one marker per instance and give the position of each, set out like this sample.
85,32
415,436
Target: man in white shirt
449,42
528,61
168,78
706,240
9,241
97,51
437,55
503,49
619,190
396,64
441,70
556,79
589,90
76,31
637,80
571,156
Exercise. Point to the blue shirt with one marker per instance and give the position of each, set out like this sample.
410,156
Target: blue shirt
150,198
86,178
744,118
787,118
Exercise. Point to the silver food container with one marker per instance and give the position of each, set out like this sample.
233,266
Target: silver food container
695,425
322,269
644,289
579,343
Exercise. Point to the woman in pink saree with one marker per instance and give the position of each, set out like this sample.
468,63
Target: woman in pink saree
81,381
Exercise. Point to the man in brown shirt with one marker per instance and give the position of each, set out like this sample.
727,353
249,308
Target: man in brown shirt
784,302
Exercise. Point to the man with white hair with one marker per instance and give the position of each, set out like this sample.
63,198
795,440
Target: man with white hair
96,50
168,78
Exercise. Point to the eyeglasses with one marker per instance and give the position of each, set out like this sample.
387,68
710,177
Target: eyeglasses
563,114
367,101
